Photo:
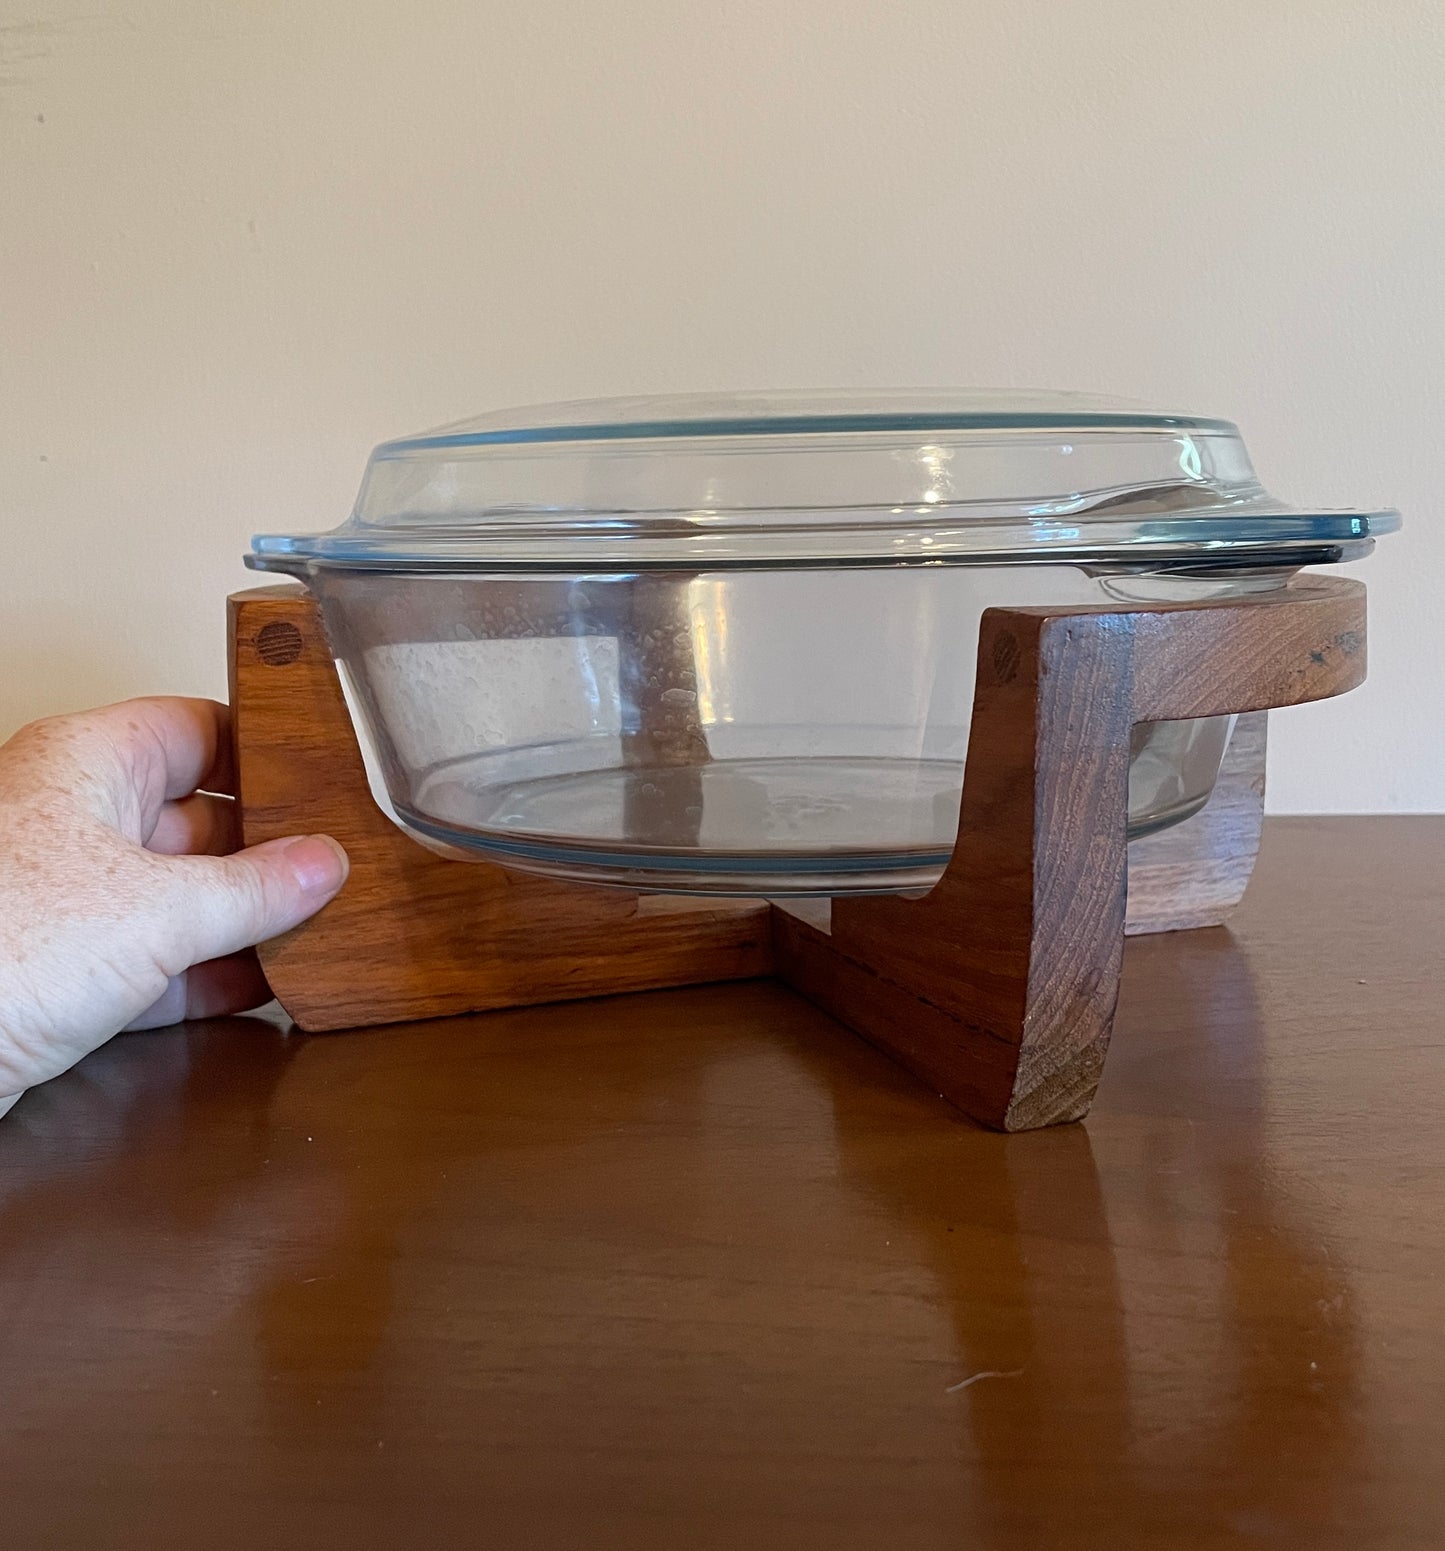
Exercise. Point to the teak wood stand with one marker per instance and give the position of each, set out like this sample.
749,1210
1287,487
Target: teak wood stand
998,987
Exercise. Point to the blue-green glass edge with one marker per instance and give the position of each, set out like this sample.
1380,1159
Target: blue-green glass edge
1318,527
796,425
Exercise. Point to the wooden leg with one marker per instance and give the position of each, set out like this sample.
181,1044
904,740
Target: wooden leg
413,935
999,987
664,744
1196,873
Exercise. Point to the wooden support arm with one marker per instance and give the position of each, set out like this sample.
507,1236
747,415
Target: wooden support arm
999,987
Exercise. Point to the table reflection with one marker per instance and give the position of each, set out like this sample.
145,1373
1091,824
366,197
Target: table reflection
727,1240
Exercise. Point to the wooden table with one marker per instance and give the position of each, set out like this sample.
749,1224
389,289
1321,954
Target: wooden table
699,1269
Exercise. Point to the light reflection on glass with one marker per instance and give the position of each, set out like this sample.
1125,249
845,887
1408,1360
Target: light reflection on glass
708,619
935,460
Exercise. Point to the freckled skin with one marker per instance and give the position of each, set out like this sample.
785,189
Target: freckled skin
124,901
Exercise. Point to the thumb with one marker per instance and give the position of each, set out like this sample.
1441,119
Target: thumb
221,904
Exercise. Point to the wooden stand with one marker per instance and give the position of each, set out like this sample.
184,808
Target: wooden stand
998,987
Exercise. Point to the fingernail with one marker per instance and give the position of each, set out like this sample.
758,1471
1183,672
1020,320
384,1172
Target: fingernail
319,863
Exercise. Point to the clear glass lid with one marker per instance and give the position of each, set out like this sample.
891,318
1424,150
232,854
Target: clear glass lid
818,479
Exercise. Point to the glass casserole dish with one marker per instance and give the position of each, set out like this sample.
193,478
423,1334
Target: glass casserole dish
726,644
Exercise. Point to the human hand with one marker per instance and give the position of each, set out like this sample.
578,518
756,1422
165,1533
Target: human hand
121,903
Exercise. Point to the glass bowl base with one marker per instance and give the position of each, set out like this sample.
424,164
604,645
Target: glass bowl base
765,827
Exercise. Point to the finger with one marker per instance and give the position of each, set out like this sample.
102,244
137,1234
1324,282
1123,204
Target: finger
213,990
220,775
199,825
217,905
122,762
190,740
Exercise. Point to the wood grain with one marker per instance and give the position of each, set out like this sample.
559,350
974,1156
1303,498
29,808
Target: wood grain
698,1269
412,934
998,988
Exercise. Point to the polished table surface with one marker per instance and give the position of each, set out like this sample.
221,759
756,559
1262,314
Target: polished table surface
700,1269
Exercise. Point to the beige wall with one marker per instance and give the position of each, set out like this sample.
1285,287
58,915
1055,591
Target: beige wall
240,242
